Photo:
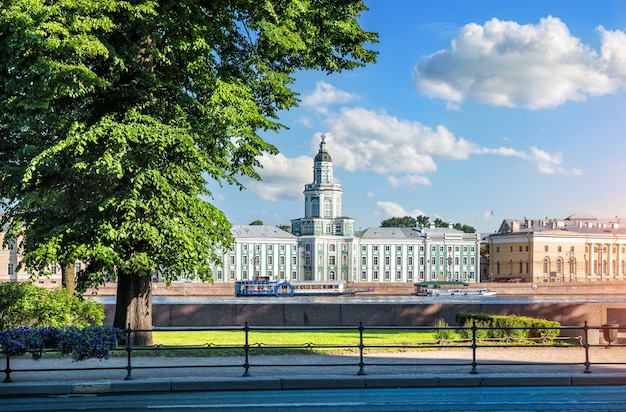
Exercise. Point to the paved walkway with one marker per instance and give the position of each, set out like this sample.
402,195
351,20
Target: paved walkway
495,367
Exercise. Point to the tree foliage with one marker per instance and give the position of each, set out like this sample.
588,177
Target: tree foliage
423,221
406,221
117,119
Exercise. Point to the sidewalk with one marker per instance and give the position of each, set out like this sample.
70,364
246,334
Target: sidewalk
495,367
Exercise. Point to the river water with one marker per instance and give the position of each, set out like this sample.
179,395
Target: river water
365,299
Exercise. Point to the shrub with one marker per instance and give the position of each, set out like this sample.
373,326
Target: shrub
24,304
508,326
86,343
444,332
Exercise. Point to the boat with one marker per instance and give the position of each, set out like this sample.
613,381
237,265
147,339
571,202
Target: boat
450,288
265,287
459,292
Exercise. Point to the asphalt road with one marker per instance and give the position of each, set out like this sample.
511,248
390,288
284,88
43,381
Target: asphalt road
588,399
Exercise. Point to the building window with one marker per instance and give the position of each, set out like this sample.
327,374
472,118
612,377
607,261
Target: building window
375,260
363,275
282,248
398,248
546,265
376,248
331,275
433,248
331,260
331,247
363,260
10,268
497,249
411,248
441,248
293,275
387,275
398,275
54,269
409,275
270,248
282,275
293,260
375,275
363,248
421,260
387,261
545,248
344,260
410,261
421,275
257,248
282,261
244,275
386,248
421,248
398,260
270,260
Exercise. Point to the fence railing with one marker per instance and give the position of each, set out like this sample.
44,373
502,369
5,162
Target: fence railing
364,346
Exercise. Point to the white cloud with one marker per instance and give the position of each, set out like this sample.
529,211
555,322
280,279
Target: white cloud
282,177
503,63
546,163
364,140
326,94
408,180
390,209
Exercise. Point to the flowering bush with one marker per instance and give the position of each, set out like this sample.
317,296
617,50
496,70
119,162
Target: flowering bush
86,343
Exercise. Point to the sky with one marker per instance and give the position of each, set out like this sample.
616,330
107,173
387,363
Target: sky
475,112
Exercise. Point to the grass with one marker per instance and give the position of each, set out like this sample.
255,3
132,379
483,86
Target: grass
272,342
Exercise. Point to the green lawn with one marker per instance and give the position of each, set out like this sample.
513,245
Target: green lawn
280,341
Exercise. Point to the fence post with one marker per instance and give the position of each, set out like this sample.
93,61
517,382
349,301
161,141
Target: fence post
586,345
361,347
246,349
129,350
474,346
7,370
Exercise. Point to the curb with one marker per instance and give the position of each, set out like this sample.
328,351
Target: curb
306,382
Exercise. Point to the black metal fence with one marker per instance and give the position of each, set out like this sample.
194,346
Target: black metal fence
473,340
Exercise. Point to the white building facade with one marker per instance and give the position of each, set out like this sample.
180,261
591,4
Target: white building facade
324,245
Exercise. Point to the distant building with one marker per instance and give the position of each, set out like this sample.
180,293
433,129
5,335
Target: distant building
323,245
579,248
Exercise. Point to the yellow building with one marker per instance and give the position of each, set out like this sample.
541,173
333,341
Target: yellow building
579,248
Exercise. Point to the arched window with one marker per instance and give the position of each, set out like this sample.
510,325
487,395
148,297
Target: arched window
315,208
546,265
328,208
331,275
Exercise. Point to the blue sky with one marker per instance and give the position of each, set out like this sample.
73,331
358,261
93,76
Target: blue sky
476,111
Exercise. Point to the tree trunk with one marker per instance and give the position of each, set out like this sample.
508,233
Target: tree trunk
134,306
68,277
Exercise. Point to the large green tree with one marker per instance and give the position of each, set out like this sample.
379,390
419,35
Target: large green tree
117,118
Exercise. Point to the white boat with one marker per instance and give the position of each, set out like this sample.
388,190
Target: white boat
459,292
311,288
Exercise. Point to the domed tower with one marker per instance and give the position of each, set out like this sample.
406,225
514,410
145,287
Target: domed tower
322,201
